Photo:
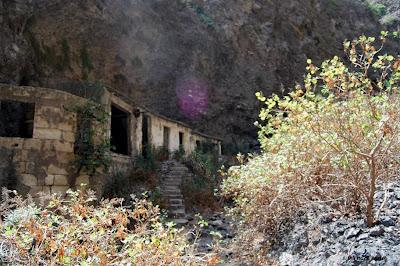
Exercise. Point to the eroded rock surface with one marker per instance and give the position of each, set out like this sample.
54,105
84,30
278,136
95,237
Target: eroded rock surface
145,49
324,238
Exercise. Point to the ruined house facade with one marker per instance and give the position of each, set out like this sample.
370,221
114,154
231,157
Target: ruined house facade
38,128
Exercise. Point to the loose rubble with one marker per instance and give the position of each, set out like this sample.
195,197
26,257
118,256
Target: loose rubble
323,237
215,233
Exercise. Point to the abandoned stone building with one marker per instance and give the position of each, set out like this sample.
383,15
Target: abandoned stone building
39,126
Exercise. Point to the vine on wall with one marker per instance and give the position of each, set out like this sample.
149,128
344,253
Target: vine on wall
91,145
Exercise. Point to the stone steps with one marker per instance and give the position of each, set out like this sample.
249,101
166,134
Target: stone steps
172,175
176,201
177,213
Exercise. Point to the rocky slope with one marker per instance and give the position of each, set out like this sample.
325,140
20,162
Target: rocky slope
321,237
211,56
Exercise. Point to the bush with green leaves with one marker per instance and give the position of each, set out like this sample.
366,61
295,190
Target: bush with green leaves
328,142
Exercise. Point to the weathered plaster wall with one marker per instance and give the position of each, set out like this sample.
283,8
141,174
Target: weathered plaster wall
43,161
123,163
157,133
190,137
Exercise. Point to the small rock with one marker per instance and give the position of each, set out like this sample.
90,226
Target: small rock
217,223
316,241
360,252
387,221
352,232
180,221
286,259
375,254
362,237
397,193
376,231
326,218
389,229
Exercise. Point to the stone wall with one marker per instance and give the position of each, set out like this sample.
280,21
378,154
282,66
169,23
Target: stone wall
43,162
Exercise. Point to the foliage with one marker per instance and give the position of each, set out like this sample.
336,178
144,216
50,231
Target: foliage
329,141
146,161
198,191
118,186
203,163
235,147
179,154
91,90
143,177
160,154
156,197
91,145
378,9
390,20
73,231
86,62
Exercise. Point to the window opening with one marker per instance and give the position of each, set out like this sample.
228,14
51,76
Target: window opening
16,119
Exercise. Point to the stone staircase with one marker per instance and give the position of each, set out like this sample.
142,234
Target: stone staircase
172,174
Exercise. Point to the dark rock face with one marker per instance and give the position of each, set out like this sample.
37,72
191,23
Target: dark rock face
229,49
15,49
346,241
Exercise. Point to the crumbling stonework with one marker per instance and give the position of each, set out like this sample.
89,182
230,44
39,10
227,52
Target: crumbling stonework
43,162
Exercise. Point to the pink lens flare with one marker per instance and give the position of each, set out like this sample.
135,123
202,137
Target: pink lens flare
192,94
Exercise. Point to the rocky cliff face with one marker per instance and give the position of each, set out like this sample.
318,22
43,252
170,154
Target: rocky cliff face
197,61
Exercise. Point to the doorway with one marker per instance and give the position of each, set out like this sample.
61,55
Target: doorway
166,138
119,131
145,136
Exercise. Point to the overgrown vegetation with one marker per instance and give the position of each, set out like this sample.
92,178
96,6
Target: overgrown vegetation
91,90
235,147
86,62
379,10
143,179
91,146
199,190
327,142
74,231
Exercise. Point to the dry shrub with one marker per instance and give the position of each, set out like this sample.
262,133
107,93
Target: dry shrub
329,141
73,231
